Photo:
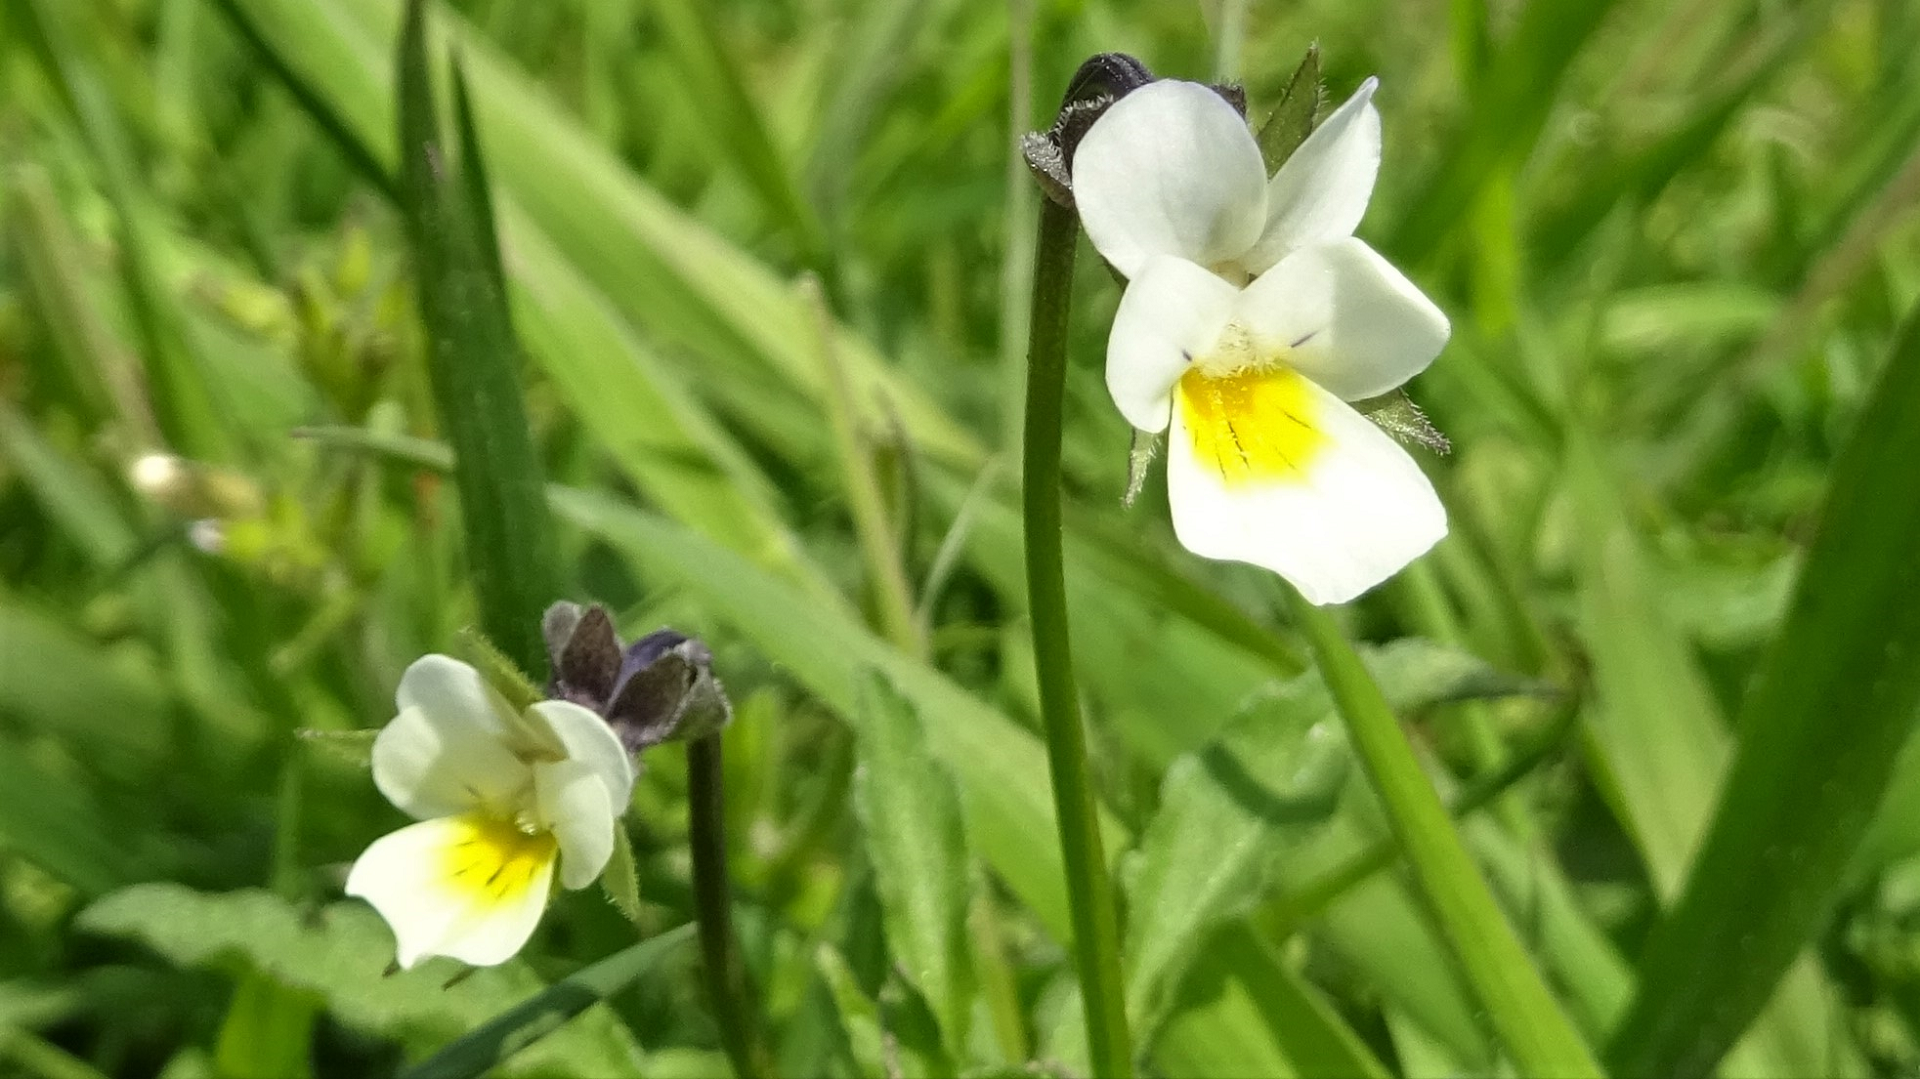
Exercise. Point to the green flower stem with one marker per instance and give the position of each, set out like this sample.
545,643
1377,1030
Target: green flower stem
1096,943
1537,1033
727,981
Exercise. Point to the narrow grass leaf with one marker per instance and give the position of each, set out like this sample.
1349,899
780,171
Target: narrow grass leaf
1510,105
184,399
1636,179
859,1015
1659,745
1821,732
659,434
712,77
473,365
539,1015
54,824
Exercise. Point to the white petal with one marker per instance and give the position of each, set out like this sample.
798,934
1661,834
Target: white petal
1345,318
467,887
1284,475
574,804
1170,169
589,740
1172,311
1321,192
445,760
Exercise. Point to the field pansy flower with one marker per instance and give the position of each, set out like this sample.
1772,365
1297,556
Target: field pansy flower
505,800
1251,317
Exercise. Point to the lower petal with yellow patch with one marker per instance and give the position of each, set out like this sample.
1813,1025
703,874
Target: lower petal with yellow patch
470,887
1253,426
1264,466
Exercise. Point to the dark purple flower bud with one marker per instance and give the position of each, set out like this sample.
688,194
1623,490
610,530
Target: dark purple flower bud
658,689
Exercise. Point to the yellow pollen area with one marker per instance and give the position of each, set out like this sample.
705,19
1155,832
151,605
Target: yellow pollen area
494,860
1251,424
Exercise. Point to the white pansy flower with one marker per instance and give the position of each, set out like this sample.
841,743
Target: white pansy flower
1251,316
501,797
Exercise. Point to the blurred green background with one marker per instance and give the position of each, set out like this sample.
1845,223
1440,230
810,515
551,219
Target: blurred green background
1676,240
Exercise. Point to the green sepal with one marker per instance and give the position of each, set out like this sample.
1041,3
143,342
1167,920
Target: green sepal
1293,118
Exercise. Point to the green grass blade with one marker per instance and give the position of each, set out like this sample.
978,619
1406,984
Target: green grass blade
713,79
475,1053
312,100
1510,106
1820,734
473,365
1658,743
1522,1010
622,391
184,399
1636,179
53,823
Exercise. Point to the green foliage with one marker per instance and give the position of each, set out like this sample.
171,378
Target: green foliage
1676,244
910,814
473,358
1837,697
1519,1005
500,1041
335,956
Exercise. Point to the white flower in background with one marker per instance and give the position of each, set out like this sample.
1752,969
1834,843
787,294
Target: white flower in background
501,798
1251,316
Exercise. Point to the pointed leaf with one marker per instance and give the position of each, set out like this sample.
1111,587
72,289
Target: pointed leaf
473,365
910,814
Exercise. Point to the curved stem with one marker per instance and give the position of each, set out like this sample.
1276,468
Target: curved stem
1089,888
1519,1006
727,980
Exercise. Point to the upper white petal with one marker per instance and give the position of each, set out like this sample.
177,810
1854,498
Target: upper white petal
445,760
437,683
407,877
1172,311
589,740
575,806
1321,192
1360,513
1344,317
1170,169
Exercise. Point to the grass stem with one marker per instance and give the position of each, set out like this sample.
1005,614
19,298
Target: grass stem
879,541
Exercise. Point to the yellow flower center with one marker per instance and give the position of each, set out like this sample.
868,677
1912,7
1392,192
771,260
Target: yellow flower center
495,860
1251,422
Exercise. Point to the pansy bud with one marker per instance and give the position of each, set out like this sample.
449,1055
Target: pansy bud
659,688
